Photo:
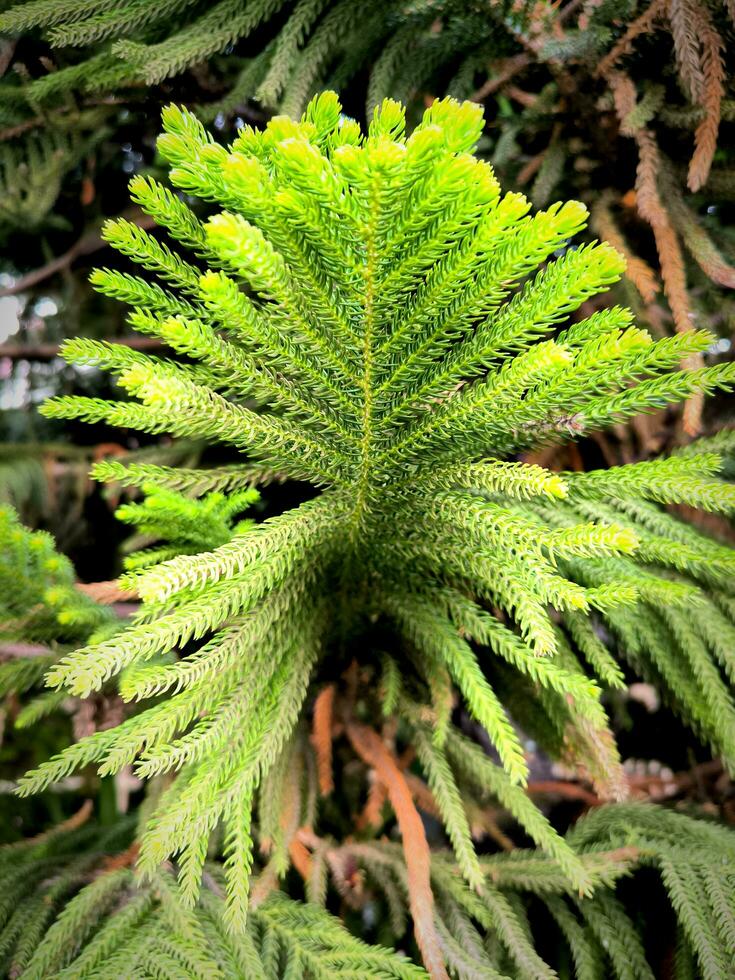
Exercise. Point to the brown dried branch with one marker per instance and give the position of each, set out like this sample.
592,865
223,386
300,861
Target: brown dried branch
373,751
76,820
656,786
86,245
561,787
713,92
321,737
506,70
530,168
640,26
637,270
519,95
47,352
12,132
684,31
106,593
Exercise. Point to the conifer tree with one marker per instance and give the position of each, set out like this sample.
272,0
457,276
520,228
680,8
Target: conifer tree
369,315
625,106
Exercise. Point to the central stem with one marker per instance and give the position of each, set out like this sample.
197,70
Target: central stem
366,441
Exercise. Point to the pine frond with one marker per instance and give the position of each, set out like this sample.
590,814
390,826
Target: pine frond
378,321
104,924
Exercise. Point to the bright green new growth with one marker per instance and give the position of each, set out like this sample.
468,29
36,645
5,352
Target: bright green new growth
38,599
42,616
171,524
401,344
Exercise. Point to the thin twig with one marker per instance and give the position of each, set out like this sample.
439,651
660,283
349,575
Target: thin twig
47,352
106,593
560,787
512,67
86,245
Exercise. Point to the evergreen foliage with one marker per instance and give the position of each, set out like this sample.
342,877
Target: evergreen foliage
42,616
72,908
601,101
38,599
316,42
173,524
497,932
377,320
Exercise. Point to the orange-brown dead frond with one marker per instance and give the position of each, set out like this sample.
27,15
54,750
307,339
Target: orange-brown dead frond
372,750
650,205
640,26
321,737
124,860
651,208
625,98
713,92
694,407
683,22
106,593
300,858
637,270
372,813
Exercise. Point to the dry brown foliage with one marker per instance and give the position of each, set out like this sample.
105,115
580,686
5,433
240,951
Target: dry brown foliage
683,21
321,737
641,25
713,92
637,270
373,751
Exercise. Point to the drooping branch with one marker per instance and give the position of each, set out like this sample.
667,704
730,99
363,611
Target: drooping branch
321,738
373,751
89,243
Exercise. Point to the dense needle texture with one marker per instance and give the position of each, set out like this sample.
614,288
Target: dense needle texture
369,314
